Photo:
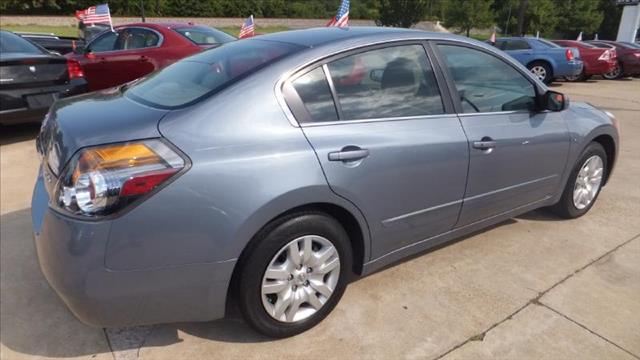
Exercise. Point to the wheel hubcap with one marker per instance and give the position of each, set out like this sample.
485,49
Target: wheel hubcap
300,278
539,71
613,73
588,182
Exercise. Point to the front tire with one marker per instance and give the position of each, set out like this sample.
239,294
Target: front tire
294,274
584,183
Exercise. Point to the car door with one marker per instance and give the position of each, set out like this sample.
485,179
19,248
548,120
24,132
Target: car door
94,64
517,154
520,50
382,134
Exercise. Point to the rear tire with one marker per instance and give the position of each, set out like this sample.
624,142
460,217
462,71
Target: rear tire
303,296
542,71
581,192
614,74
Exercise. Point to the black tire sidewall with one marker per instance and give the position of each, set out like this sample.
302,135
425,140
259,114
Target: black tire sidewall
267,244
565,207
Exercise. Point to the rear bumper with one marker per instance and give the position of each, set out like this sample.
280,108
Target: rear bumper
72,258
569,68
18,110
600,67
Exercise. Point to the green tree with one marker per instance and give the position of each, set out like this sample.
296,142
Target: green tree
469,14
542,15
402,13
579,16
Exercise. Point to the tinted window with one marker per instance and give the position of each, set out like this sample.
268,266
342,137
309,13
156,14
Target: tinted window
485,83
202,35
105,42
12,43
516,45
314,92
203,74
390,82
136,38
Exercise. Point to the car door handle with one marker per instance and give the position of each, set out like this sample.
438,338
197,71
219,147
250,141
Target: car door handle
485,144
143,58
348,154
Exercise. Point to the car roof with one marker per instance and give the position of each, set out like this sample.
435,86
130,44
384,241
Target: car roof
158,25
318,36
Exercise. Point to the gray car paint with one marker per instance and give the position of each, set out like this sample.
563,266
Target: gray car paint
171,257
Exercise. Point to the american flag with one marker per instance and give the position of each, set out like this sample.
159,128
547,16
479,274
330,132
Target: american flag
342,17
247,28
95,15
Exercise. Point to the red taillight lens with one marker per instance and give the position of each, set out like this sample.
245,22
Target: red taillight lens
568,54
606,55
101,180
74,69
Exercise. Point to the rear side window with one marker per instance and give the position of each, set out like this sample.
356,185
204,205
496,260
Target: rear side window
516,45
315,94
136,38
202,35
11,43
485,83
189,80
384,83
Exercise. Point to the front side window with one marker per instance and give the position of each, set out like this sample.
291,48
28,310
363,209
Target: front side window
485,83
391,82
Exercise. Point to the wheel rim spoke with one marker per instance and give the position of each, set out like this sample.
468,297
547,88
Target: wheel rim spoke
300,278
588,182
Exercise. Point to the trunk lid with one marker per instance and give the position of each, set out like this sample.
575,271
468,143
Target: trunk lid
29,70
93,119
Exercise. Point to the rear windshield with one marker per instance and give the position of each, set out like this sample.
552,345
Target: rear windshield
196,77
203,35
12,43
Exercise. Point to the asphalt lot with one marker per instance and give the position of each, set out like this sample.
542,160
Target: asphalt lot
531,287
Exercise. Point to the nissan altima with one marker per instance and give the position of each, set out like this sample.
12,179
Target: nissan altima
268,171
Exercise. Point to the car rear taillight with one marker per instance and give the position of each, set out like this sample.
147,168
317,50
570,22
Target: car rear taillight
568,54
606,56
74,69
101,180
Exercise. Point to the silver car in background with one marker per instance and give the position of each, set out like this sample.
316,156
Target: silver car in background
270,170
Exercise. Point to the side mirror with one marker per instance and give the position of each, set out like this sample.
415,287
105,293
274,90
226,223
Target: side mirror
376,75
555,101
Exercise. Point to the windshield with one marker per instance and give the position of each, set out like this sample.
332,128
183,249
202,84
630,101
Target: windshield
12,43
189,80
203,35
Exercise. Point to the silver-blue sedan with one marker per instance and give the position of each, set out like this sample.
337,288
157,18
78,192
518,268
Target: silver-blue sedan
269,170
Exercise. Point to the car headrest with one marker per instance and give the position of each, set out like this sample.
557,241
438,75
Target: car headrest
398,73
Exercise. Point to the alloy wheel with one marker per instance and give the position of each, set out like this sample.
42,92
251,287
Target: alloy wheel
588,182
300,278
613,74
539,71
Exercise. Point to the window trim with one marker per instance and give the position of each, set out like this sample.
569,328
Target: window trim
454,90
447,103
159,44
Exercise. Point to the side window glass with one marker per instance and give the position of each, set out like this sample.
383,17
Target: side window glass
517,45
139,39
486,83
314,92
391,82
105,42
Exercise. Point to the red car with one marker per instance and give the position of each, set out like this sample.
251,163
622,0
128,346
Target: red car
135,50
597,60
628,58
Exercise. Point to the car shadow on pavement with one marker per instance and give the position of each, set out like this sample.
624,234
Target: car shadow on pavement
18,133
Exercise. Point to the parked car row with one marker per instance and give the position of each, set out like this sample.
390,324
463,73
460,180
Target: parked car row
32,77
573,60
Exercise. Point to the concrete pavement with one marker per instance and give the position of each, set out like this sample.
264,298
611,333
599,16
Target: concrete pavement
532,287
